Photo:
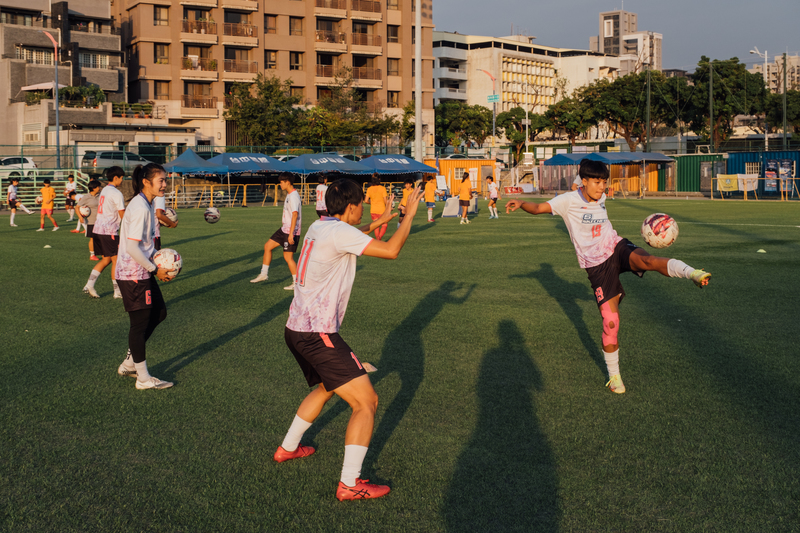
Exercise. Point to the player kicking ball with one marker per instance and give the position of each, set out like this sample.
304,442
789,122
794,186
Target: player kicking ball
326,270
604,254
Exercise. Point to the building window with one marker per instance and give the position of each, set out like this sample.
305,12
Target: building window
393,67
270,24
297,92
270,59
161,90
161,54
295,61
608,28
87,60
393,99
393,5
160,16
35,56
295,26
392,34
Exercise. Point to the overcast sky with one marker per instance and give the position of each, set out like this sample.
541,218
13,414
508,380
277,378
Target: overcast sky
720,29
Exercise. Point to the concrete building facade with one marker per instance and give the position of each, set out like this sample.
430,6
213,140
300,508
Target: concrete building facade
774,74
620,36
186,55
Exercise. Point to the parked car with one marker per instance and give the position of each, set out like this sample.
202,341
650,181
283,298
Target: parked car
96,163
284,158
455,156
351,157
19,167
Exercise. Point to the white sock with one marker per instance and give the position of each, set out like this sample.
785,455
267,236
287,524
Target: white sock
71,214
265,270
495,211
92,278
114,283
26,209
679,269
79,226
12,217
141,371
294,279
351,468
612,362
292,439
430,213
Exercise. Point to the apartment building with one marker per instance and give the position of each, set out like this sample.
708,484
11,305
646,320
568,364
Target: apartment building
620,36
774,73
187,54
470,68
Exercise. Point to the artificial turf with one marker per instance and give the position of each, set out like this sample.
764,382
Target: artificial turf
492,414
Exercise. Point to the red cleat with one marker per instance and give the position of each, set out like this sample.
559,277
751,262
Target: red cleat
282,455
361,491
93,258
74,231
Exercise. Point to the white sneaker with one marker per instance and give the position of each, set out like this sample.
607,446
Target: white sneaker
117,294
14,225
91,292
126,371
260,278
55,229
462,221
153,383
289,287
40,229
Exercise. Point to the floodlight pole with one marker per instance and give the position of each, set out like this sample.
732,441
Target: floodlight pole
420,152
55,92
766,82
785,142
494,107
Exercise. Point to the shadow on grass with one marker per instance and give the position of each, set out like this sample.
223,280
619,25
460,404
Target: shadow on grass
567,295
241,276
192,239
505,478
171,366
403,353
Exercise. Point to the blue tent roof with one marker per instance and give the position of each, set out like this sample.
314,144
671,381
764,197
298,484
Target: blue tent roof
246,162
313,163
396,164
609,158
191,163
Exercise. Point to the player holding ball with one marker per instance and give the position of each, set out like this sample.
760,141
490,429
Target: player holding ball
604,254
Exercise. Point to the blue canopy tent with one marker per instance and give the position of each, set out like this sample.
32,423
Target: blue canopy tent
316,163
248,162
191,163
396,164
609,158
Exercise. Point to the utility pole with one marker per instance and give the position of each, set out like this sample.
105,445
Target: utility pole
785,145
647,144
711,104
420,152
55,94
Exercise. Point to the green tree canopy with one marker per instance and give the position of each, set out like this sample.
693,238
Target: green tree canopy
510,123
774,110
573,115
265,111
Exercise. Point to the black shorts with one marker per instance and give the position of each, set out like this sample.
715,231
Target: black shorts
322,212
12,204
283,239
69,202
142,294
324,358
106,245
463,203
157,243
89,228
605,277
492,201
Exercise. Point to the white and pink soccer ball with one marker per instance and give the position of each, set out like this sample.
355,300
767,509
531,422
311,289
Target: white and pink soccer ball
168,259
85,210
659,230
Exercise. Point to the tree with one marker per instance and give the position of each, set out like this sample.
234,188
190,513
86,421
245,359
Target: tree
265,111
511,125
774,110
573,115
445,129
735,92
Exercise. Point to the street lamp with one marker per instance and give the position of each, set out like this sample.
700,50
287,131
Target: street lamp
755,51
527,105
55,92
494,106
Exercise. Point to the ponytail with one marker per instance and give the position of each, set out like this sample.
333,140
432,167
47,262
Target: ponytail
147,172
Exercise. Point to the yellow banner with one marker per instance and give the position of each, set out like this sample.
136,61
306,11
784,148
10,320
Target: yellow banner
728,182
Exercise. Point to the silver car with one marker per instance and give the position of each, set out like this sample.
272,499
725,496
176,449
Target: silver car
96,163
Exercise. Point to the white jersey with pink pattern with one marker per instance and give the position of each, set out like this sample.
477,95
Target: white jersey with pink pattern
326,270
137,225
290,205
589,228
159,203
109,204
321,189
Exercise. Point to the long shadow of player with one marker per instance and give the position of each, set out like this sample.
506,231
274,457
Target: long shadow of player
567,295
505,478
190,239
171,366
403,353
205,289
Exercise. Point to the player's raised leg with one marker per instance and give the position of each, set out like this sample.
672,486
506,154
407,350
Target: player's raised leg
641,261
609,310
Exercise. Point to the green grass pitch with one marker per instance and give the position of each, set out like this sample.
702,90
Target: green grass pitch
493,416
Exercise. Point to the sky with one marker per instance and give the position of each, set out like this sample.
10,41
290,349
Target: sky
720,29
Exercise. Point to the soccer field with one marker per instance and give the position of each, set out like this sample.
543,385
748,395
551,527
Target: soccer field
493,414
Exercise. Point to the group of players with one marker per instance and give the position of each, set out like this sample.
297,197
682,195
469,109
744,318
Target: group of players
323,277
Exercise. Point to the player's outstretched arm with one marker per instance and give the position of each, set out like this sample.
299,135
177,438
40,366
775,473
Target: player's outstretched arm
385,217
391,248
529,207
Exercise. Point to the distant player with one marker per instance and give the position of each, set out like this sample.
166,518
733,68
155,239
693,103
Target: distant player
604,254
110,209
160,206
48,195
430,196
13,201
136,274
327,271
288,236
376,198
408,187
321,188
491,187
91,201
69,203
464,196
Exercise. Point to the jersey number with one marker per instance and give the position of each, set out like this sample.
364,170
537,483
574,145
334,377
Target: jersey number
596,230
100,205
302,264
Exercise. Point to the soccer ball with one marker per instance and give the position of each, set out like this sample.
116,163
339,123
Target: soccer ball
659,230
168,259
170,214
85,210
212,215
39,199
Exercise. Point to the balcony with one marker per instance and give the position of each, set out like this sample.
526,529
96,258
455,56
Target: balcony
200,3
365,10
448,93
326,71
240,34
331,8
196,31
366,44
249,5
95,28
366,73
330,41
444,73
198,68
239,70
199,106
